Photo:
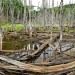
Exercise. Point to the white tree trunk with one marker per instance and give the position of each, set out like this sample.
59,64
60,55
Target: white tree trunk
0,26
12,17
52,18
7,19
18,15
60,24
0,40
30,24
0,11
25,17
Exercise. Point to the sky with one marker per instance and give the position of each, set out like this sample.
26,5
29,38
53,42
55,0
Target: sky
56,2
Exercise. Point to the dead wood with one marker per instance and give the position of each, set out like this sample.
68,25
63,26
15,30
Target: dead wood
15,51
42,48
38,69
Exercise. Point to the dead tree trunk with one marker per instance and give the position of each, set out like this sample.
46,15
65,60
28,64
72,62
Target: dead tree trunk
24,18
0,40
60,23
18,14
30,24
44,6
41,49
7,18
0,12
62,68
52,18
0,25
12,15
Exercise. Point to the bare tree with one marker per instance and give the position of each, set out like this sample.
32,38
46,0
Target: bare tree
0,25
52,18
24,15
45,13
60,20
30,24
7,17
0,11
18,15
68,17
12,14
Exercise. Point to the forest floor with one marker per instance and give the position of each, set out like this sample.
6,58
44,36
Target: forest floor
42,34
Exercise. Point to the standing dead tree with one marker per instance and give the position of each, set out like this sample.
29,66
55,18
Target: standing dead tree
7,17
0,12
60,20
69,17
25,17
52,18
44,12
12,14
0,25
30,24
18,13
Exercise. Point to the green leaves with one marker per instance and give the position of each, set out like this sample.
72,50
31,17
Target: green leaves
10,4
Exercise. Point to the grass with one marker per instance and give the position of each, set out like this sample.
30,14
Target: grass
18,27
72,30
8,27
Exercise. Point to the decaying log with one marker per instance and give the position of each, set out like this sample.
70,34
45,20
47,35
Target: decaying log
69,40
59,53
27,67
66,47
42,48
15,51
53,63
39,69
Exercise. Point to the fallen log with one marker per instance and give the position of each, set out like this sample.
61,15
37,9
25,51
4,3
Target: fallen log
27,67
58,52
42,48
66,47
39,69
15,51
69,40
53,63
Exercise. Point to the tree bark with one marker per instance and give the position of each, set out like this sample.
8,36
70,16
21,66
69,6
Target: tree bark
52,19
0,25
0,12
38,69
42,48
60,23
12,16
25,17
30,24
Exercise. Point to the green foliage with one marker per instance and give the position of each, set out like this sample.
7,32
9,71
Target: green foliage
8,27
66,9
17,6
8,5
